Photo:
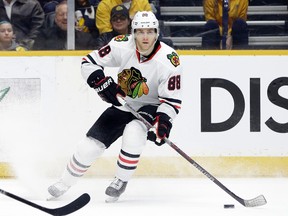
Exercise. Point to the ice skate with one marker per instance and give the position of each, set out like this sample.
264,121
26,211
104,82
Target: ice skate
58,189
115,189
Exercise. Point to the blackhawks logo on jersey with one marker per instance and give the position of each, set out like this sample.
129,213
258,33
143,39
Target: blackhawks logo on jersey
120,38
133,83
174,59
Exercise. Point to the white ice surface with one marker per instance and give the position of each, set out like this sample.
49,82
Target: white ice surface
153,196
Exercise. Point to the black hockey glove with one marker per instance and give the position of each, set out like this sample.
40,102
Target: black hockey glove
108,90
162,126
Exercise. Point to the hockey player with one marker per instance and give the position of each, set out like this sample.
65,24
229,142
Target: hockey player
149,78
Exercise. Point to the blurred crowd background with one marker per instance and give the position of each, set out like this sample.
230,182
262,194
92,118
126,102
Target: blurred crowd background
184,24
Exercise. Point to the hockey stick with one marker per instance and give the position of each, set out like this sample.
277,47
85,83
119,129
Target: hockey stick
257,201
64,210
3,92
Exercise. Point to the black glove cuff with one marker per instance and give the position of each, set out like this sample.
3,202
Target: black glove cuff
163,117
95,77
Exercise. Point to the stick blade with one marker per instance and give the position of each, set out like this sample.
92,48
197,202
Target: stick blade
3,92
257,201
71,207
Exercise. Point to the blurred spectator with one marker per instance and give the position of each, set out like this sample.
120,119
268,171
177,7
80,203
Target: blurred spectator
7,42
155,7
2,11
55,37
105,6
237,35
85,11
120,22
27,18
49,6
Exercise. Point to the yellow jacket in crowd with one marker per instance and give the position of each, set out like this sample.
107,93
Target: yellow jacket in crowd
237,9
104,9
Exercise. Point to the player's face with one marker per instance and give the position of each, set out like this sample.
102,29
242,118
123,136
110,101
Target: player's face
145,38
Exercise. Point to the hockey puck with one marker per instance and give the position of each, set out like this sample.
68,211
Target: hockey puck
229,206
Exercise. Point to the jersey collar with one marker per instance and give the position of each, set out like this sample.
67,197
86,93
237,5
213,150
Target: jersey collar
142,58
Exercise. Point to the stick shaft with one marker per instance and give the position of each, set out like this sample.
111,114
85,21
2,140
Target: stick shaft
189,159
13,196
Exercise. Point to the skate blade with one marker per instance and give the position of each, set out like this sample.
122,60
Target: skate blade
110,199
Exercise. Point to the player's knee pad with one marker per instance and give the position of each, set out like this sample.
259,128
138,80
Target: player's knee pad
134,137
89,149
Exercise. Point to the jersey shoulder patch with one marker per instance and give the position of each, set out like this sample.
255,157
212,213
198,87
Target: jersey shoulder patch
121,38
174,59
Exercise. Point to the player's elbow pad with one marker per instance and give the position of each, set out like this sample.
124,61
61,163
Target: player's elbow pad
95,77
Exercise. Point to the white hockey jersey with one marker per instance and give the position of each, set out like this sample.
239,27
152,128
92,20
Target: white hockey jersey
151,80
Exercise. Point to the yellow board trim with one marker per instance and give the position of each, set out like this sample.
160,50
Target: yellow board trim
179,167
5,170
180,52
234,52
